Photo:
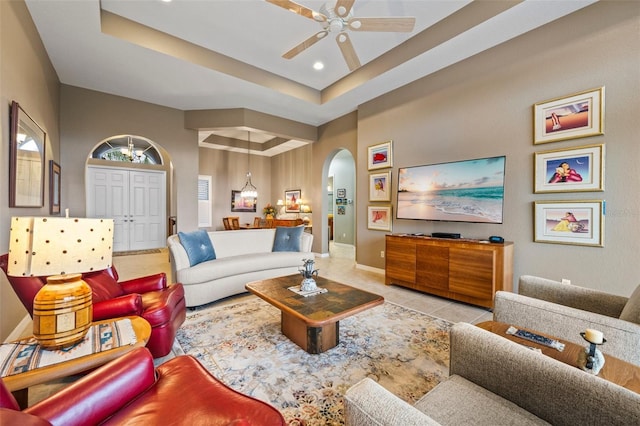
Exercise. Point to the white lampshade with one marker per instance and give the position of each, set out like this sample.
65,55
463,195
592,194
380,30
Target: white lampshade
42,246
61,249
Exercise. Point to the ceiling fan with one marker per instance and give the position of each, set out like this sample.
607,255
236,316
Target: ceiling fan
339,19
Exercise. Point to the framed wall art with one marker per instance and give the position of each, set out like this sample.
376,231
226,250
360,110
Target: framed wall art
569,222
380,186
341,193
380,156
26,159
242,204
569,170
379,218
292,201
569,117
54,187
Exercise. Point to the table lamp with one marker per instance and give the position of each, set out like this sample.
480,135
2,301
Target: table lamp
61,249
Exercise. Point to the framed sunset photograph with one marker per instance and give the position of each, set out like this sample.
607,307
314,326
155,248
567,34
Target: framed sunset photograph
569,117
569,170
569,222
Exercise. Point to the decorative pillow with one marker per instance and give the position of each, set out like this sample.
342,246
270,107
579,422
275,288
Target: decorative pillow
288,238
631,311
198,246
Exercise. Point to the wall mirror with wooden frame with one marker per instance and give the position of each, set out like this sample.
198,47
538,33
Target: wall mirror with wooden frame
26,160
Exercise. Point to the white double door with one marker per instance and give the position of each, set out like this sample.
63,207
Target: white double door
135,200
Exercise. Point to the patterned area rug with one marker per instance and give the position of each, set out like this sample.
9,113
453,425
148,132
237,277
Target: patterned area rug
406,351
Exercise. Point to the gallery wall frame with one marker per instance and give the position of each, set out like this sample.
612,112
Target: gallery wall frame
579,222
380,186
292,201
242,204
55,175
26,159
380,156
569,117
379,218
574,169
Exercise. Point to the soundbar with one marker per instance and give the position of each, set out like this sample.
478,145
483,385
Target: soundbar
445,235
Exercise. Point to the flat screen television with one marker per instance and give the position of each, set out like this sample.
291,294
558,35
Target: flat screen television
459,191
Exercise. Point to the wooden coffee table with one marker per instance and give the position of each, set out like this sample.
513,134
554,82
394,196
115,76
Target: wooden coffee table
19,383
614,370
313,322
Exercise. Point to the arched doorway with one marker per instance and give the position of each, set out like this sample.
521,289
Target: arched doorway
126,180
341,206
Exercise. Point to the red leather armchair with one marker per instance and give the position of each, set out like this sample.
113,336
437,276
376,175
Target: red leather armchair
129,391
162,305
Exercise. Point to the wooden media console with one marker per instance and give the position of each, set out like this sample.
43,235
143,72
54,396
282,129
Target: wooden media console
466,270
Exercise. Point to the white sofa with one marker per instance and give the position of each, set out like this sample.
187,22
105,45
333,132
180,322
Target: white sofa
242,256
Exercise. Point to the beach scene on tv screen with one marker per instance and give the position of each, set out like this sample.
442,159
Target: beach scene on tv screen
461,191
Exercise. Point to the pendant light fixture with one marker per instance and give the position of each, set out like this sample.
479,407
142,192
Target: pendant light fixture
249,191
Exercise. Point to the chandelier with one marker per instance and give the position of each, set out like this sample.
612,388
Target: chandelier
249,191
131,153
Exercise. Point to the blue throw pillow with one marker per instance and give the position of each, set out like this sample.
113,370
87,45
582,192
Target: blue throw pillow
288,238
198,246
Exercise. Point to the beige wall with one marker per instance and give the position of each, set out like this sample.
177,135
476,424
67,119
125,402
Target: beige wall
88,117
332,137
26,76
483,107
228,171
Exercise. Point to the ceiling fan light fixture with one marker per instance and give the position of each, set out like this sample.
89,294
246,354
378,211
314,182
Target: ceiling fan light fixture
336,25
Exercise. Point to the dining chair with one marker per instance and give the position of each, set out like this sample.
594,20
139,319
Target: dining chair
235,222
226,223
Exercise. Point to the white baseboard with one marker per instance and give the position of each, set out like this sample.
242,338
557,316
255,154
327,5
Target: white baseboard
370,268
25,324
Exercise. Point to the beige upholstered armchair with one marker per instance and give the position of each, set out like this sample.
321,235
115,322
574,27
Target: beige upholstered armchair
564,311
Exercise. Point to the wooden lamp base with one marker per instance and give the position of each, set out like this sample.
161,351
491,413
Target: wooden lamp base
62,311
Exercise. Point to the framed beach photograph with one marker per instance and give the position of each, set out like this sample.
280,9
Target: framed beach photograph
569,117
569,222
292,201
379,218
380,156
54,187
569,170
242,204
380,186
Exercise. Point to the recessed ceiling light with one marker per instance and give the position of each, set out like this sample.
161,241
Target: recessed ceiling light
318,66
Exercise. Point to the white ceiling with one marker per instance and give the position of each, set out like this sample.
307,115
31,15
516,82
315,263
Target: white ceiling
186,70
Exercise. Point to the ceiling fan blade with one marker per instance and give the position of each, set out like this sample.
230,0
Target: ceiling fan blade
343,7
348,52
305,44
298,9
402,25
